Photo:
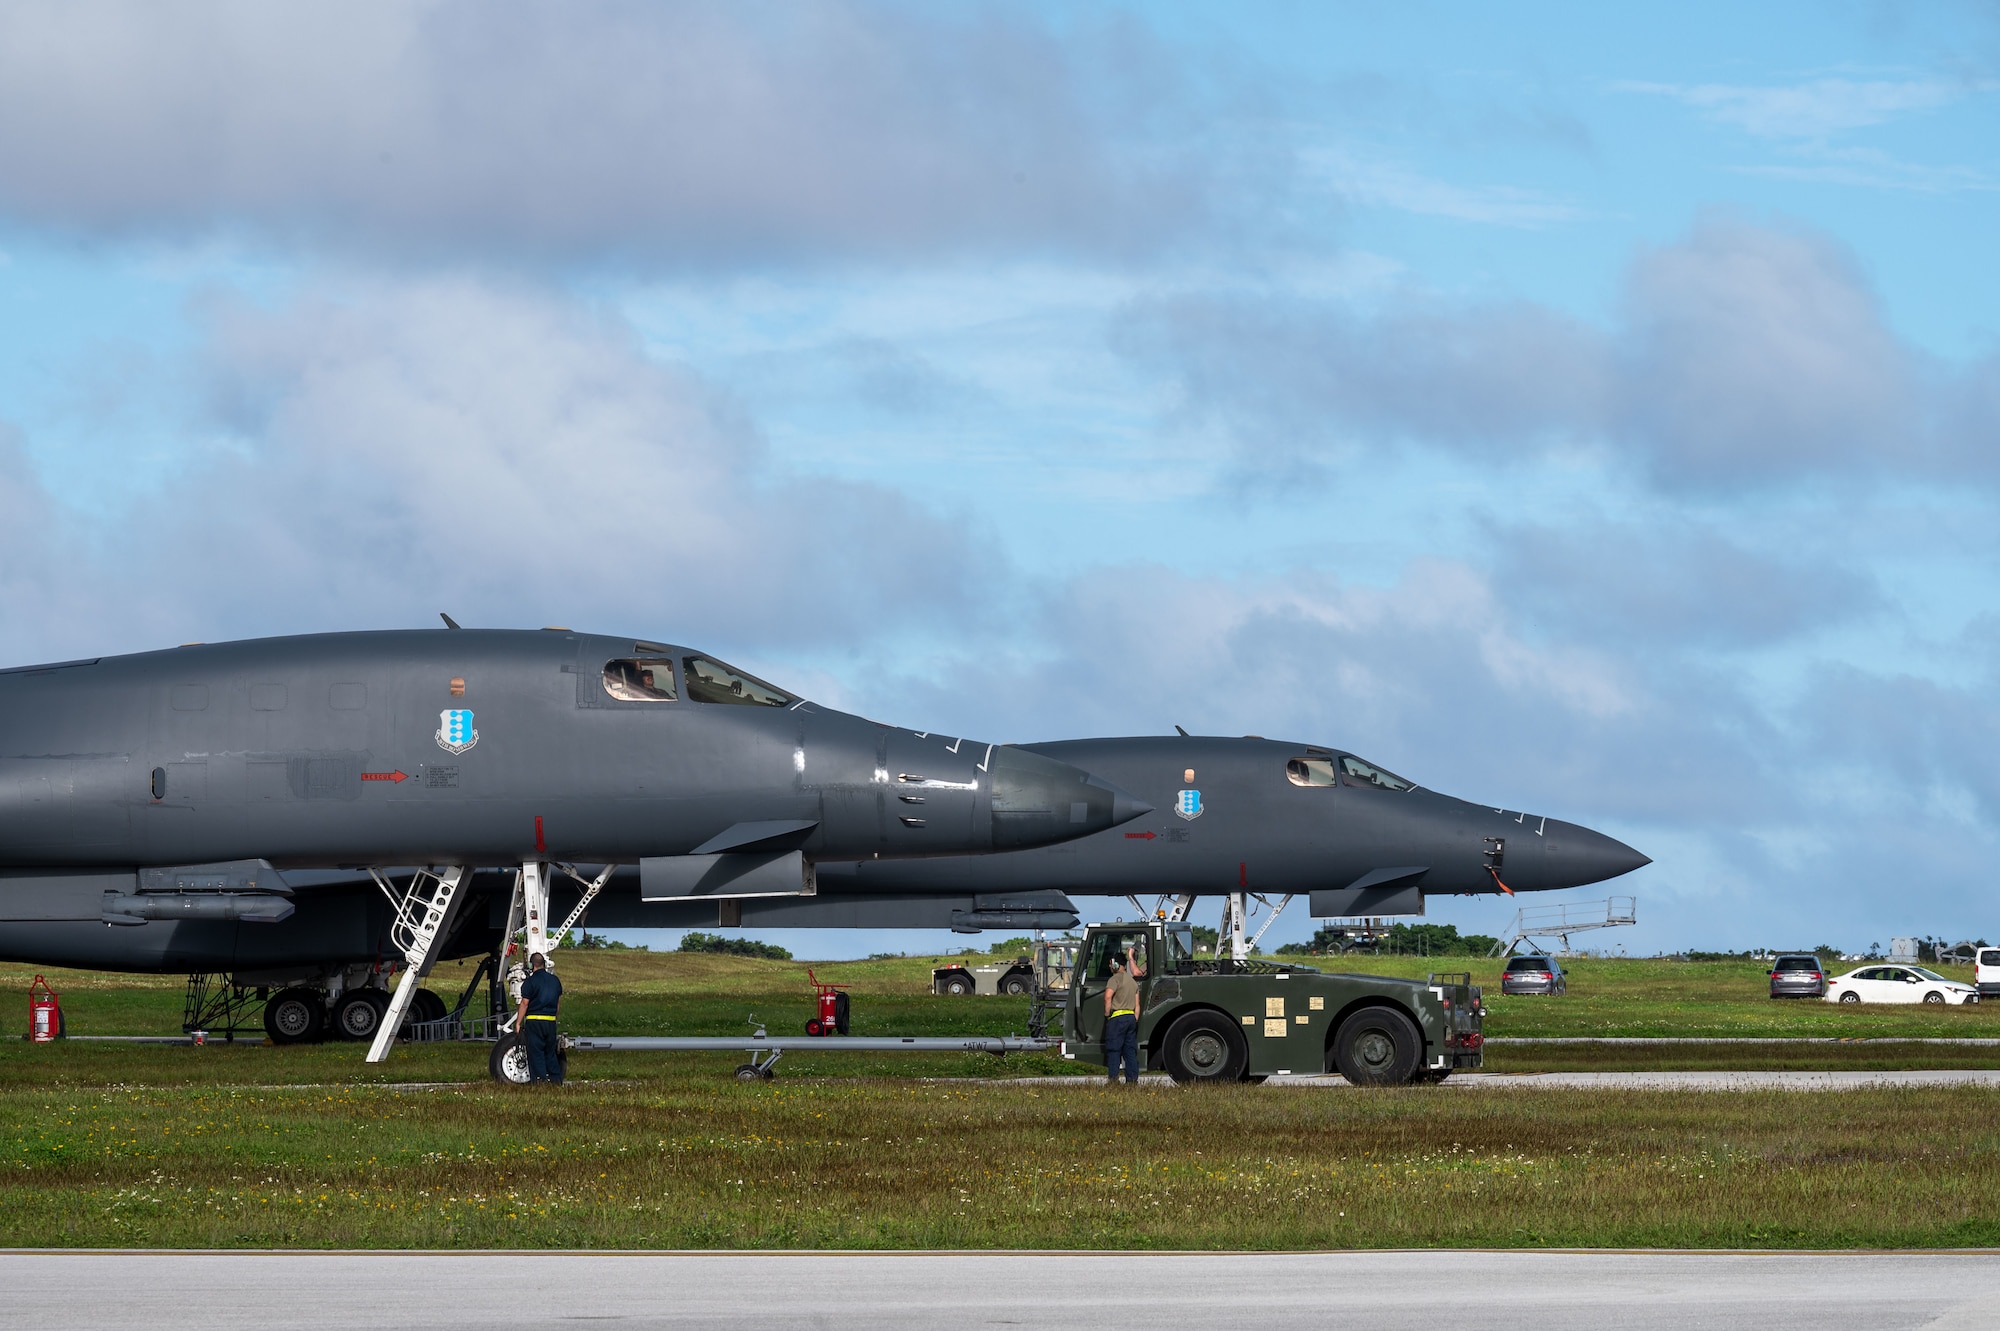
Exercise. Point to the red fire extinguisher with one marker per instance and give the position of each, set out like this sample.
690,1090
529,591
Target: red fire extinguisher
832,998
45,1021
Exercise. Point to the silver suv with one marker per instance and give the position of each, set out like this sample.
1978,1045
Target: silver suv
1798,976
1533,975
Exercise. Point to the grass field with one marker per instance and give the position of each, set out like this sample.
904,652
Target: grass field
114,1144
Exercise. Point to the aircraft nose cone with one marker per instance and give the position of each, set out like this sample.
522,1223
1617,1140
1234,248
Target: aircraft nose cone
1573,856
1125,806
1038,801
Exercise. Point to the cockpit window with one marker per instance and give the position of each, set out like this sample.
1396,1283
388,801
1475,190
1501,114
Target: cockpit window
1354,772
712,681
1311,772
640,679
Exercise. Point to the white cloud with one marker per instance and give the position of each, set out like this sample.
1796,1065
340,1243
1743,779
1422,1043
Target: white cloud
673,133
395,450
1375,183
1817,109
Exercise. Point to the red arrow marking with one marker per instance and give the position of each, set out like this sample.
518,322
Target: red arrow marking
1139,836
397,776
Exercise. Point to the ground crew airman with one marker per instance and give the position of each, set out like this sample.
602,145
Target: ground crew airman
541,993
1121,1017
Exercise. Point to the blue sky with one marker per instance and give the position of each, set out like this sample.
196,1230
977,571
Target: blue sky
1581,409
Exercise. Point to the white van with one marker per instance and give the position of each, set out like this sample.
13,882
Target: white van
1986,971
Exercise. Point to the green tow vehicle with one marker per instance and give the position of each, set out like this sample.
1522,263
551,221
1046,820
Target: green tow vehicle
1211,1020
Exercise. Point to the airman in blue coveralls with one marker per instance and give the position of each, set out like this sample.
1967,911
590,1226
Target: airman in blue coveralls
541,993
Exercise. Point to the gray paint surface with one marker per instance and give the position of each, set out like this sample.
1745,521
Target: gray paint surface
1382,1291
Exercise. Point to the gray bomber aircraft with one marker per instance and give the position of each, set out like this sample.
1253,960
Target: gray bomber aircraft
1226,815
299,810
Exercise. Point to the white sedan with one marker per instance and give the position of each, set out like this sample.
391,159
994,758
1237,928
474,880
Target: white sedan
1897,984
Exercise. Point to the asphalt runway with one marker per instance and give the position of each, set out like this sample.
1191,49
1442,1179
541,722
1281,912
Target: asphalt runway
1382,1291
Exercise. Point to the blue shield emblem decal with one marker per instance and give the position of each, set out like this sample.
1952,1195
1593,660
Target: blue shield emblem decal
1188,804
455,733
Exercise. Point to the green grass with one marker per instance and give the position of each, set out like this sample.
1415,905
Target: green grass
184,1147
146,1145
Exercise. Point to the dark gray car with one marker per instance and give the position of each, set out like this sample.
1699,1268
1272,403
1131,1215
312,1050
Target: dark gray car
1533,975
1798,976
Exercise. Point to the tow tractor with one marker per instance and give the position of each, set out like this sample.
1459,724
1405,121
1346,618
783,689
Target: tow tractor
1217,1020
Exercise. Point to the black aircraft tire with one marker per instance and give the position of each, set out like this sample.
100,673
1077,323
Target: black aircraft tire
358,1014
748,1072
295,1016
427,1006
1377,1046
1204,1047
508,1063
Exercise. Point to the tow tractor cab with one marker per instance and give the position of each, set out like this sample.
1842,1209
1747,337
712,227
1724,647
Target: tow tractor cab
1215,1020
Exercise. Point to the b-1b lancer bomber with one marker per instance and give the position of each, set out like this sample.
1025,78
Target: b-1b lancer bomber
294,811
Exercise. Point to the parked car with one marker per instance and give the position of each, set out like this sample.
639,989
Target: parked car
1986,972
1533,975
1798,976
1897,984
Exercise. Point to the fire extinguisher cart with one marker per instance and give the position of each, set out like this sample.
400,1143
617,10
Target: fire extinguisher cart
45,1019
832,999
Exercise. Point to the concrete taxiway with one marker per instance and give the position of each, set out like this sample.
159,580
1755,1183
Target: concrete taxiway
1382,1291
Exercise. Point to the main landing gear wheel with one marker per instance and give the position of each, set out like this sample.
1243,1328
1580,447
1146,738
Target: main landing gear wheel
294,1016
509,1060
358,1014
426,1006
1377,1046
1850,997
1204,1047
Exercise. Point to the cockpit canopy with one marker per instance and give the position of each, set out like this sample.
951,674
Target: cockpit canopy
1345,770
648,679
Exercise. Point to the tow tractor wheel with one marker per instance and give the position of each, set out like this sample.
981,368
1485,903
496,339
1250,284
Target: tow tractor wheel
295,1016
1017,985
1204,1047
509,1060
1377,1046
358,1014
955,983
